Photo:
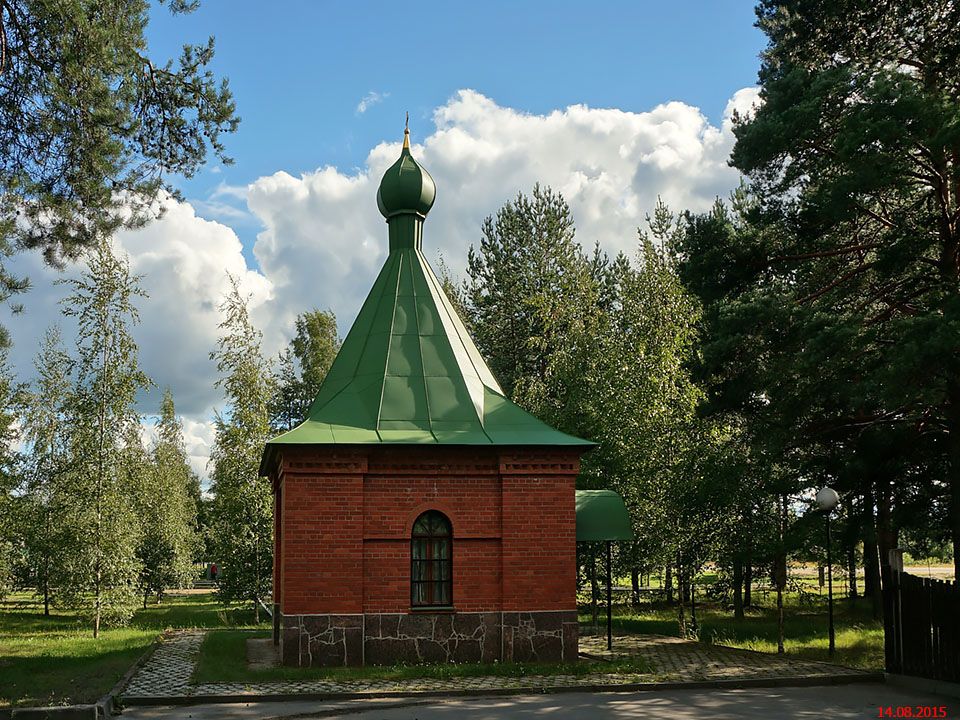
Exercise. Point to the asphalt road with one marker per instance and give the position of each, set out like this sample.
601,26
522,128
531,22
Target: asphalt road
840,701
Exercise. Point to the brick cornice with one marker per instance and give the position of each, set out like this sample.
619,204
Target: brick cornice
323,463
540,462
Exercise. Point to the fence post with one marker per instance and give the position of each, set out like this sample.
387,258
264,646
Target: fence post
889,620
921,624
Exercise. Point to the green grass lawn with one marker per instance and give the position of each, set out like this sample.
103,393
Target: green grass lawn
223,659
859,638
55,660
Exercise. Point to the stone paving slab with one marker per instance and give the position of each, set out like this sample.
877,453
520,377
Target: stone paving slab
166,677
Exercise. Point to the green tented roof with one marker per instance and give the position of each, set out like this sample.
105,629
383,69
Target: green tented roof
408,371
601,515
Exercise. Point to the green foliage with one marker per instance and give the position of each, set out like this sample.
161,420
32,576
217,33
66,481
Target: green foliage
11,401
530,299
831,287
97,566
303,366
166,505
241,521
92,125
602,349
44,493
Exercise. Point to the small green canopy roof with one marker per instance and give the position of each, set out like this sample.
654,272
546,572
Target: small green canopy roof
601,515
408,372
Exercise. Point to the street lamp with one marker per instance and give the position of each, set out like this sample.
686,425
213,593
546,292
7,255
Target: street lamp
827,500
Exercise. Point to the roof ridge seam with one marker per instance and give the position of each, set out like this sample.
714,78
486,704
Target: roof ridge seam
438,295
423,369
465,336
353,374
386,360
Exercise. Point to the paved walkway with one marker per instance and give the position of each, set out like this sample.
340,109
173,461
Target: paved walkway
167,674
855,702
675,659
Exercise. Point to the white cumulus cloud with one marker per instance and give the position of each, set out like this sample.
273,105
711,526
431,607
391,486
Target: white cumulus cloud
322,239
185,262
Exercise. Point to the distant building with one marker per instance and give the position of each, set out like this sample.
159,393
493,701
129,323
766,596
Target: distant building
419,514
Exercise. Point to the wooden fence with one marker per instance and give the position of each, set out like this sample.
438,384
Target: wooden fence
921,626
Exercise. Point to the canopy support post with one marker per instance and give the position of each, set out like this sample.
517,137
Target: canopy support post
609,602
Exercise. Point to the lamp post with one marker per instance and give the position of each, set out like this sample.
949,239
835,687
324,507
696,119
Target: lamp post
827,500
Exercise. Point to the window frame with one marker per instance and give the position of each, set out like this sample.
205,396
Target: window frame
429,563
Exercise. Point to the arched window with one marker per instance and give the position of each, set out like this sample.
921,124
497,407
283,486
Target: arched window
431,561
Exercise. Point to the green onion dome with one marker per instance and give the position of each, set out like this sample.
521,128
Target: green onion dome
406,188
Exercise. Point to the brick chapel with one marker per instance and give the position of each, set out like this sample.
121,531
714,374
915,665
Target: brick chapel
420,515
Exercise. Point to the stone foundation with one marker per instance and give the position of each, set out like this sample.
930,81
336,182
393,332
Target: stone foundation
388,638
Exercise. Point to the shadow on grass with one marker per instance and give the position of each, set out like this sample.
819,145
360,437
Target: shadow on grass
859,636
59,679
56,660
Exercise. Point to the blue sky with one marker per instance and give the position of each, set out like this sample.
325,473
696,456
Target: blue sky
613,104
299,70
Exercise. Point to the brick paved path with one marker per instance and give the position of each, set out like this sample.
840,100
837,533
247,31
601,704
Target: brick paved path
675,659
166,675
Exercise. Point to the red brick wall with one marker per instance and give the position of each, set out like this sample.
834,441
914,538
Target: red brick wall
346,522
322,535
539,542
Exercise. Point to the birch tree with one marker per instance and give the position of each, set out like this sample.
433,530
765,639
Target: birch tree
241,523
100,568
45,432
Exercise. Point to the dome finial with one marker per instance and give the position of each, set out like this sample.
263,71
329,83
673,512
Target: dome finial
406,188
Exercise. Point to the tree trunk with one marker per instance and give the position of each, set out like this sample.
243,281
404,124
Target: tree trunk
737,588
852,571
747,581
781,573
683,582
594,590
46,585
780,649
635,585
681,617
871,558
101,472
96,612
668,584
886,535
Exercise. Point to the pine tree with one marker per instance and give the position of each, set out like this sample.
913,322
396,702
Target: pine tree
533,303
854,158
92,126
241,523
